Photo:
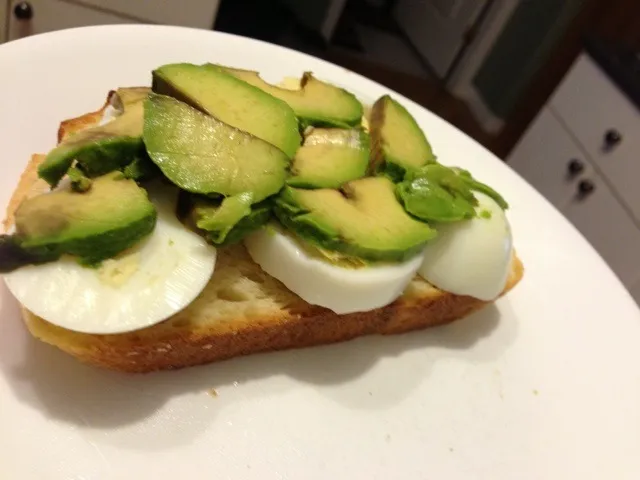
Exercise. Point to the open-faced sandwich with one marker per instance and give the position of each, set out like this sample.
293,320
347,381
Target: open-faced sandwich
215,215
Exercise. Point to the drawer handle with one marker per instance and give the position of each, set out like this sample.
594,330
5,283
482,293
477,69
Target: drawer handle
23,11
585,188
612,137
575,167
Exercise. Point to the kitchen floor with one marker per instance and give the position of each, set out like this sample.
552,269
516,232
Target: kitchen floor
368,44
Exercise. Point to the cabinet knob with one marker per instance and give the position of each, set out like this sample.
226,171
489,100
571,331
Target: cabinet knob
23,11
612,137
585,188
575,167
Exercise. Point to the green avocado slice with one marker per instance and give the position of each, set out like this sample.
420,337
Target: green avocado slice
398,143
98,150
329,158
437,193
229,221
211,90
316,103
363,219
201,154
111,216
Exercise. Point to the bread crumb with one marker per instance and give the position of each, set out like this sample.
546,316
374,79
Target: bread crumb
212,392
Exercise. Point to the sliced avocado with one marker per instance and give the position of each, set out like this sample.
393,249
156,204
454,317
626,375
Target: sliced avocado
141,169
113,215
97,150
329,158
259,216
398,143
200,154
231,226
363,219
220,220
481,187
212,90
438,193
79,181
316,102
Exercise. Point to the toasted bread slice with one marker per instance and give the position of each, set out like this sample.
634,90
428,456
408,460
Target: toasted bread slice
242,311
74,125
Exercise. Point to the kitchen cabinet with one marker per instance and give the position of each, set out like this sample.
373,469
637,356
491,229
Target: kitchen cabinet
186,13
606,123
549,159
581,154
38,16
601,218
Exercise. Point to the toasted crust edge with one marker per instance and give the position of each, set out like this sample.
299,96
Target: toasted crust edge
194,348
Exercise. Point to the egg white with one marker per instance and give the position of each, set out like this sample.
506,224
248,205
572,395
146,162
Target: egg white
318,282
145,285
471,257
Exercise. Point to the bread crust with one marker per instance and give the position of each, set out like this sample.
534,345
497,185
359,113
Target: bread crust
286,322
73,125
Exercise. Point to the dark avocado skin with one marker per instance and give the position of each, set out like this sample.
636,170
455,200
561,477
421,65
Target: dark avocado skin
15,252
13,255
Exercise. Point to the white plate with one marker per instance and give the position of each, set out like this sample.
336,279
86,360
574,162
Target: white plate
544,385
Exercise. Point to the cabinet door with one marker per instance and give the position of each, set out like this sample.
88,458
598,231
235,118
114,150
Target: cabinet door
188,13
543,155
608,226
39,16
606,123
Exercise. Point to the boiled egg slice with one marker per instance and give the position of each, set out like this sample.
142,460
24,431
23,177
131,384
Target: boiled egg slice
471,257
318,282
141,287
